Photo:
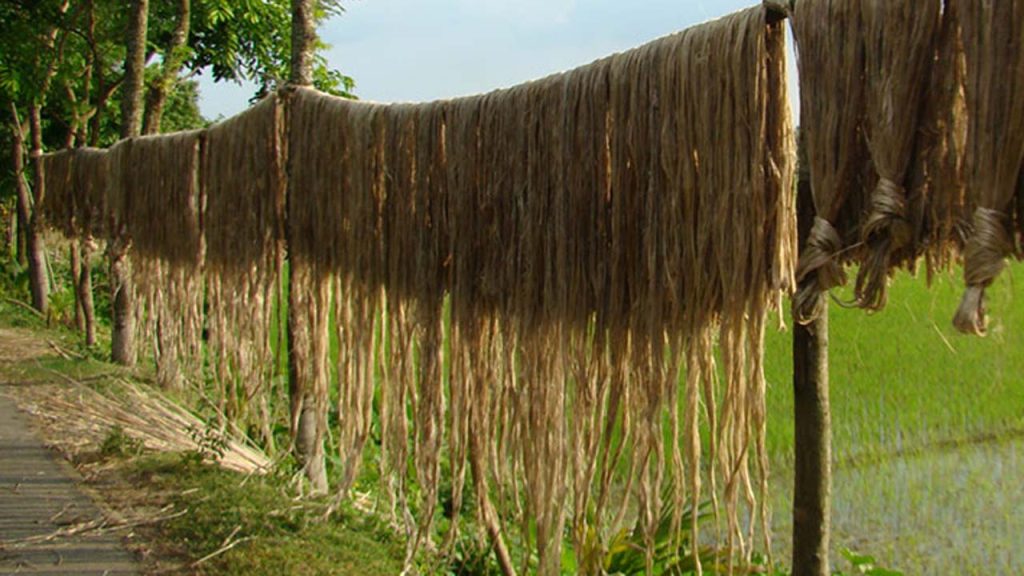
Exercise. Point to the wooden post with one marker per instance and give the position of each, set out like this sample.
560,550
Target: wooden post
812,487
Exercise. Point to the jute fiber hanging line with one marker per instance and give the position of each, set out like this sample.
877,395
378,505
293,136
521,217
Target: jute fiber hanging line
993,38
591,229
244,186
155,199
882,113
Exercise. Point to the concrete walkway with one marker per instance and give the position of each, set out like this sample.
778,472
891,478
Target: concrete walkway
39,500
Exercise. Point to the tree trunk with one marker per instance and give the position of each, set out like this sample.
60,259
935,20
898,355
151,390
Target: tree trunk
309,435
20,227
134,69
75,256
85,290
812,487
303,42
35,250
83,282
174,57
11,234
122,336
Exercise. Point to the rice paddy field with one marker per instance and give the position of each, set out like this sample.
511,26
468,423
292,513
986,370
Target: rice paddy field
928,431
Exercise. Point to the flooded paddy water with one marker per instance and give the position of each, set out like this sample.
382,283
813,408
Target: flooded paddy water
951,511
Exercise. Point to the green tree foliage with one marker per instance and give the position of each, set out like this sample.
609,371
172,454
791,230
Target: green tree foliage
251,40
79,46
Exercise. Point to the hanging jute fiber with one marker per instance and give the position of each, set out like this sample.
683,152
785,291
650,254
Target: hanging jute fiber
155,199
883,117
533,273
90,180
993,39
899,53
58,197
243,184
75,201
829,40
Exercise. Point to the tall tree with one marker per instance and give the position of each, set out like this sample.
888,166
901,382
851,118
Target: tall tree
174,58
32,51
122,336
307,417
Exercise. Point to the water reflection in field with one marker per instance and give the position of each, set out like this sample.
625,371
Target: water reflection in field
951,511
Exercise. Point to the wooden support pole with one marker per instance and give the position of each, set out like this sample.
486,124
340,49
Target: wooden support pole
812,487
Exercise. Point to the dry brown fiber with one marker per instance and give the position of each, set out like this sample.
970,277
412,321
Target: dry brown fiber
993,39
75,185
155,201
882,112
58,197
243,185
593,230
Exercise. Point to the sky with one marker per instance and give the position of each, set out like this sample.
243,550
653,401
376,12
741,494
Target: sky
421,50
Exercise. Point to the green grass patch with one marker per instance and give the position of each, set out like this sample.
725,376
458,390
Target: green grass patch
275,534
903,379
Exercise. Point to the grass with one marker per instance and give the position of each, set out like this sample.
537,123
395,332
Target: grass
903,380
275,534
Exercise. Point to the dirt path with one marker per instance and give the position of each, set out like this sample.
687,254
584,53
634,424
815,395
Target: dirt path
48,525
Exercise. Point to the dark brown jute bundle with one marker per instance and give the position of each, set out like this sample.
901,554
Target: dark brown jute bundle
155,197
829,39
243,183
156,201
58,207
900,40
993,39
939,206
90,180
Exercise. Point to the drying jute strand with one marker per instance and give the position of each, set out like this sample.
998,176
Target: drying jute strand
154,199
527,277
993,39
883,114
243,186
532,282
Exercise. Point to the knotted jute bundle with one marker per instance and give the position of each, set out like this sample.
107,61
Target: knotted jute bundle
528,276
899,58
883,112
829,39
993,38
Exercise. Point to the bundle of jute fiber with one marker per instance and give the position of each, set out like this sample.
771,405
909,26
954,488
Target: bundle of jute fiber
829,37
244,185
993,39
594,232
76,198
939,206
155,200
58,199
362,217
90,180
884,120
899,52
